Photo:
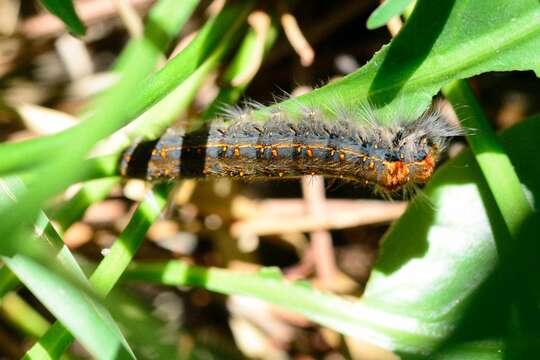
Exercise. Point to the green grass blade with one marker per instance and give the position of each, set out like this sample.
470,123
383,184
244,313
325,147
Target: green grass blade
23,316
84,136
94,327
162,24
53,288
123,250
152,123
58,338
164,21
478,350
387,10
491,158
66,163
219,30
440,254
8,281
230,94
405,75
65,11
73,209
515,211
347,316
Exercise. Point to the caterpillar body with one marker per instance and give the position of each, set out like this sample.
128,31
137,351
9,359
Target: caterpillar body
353,147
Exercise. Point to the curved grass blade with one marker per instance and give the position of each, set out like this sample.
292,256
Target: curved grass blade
387,10
83,316
479,350
123,250
58,338
42,281
220,30
493,161
65,11
163,22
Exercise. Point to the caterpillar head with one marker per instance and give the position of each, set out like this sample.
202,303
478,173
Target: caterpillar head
409,151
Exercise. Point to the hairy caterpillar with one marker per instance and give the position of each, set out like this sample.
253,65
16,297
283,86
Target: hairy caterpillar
355,147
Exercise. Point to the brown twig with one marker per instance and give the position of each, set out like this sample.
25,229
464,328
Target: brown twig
260,22
321,240
281,216
324,27
296,38
129,17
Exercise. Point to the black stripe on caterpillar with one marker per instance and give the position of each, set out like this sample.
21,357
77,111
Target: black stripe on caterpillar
354,147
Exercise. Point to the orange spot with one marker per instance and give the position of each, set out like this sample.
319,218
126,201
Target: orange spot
163,153
309,152
280,174
396,175
341,156
236,151
274,153
371,164
241,173
224,148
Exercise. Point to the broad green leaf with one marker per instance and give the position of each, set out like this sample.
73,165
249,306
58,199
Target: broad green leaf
387,10
440,252
66,12
442,41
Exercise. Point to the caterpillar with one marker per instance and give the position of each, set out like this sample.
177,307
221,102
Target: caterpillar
355,147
